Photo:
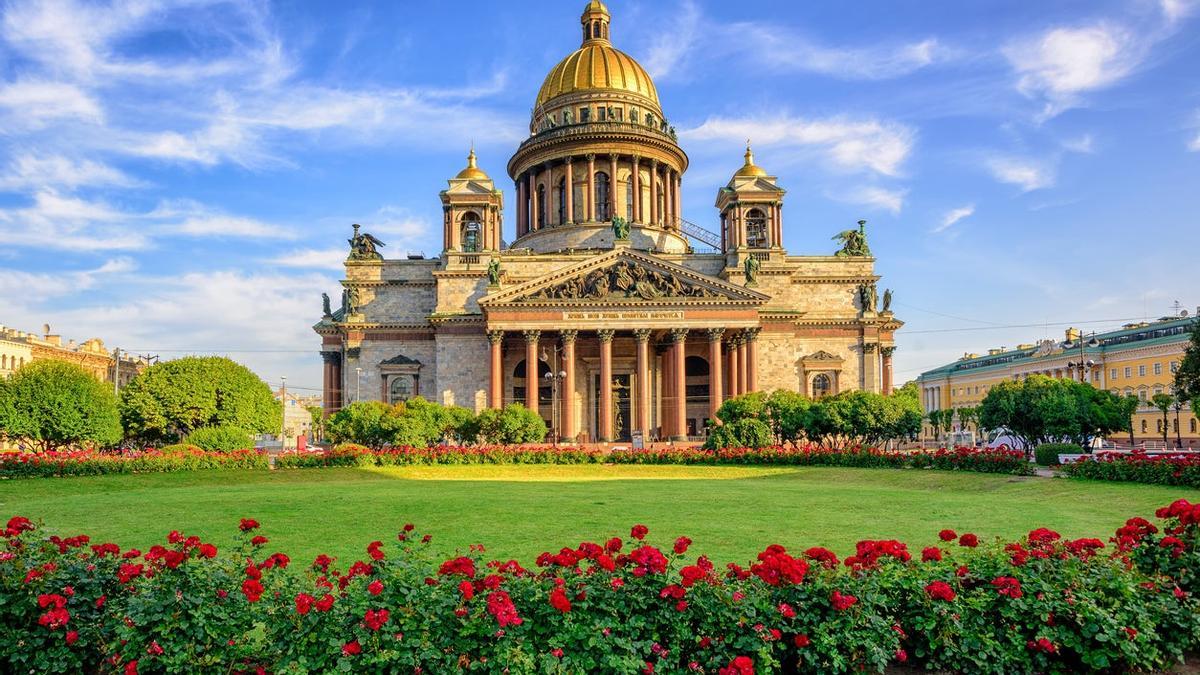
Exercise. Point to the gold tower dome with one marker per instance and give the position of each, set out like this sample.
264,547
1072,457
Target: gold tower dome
472,172
750,169
597,65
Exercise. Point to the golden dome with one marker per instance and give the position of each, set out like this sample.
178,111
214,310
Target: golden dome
597,65
750,169
472,172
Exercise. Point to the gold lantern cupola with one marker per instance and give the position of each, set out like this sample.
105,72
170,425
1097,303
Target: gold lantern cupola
595,22
750,169
472,172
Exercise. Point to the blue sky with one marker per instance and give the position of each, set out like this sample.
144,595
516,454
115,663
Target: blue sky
180,176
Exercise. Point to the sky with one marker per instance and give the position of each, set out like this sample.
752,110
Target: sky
180,176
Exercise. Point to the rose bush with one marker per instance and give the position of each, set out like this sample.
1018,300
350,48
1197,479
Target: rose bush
984,460
1138,467
93,463
1039,604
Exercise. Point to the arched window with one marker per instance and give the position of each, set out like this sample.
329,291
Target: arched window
401,389
822,386
596,29
627,185
1192,426
603,190
561,192
472,233
542,210
756,229
4,362
1145,426
545,391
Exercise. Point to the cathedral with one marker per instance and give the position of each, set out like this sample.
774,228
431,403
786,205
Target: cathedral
608,314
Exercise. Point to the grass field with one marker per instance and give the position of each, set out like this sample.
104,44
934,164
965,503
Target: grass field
519,511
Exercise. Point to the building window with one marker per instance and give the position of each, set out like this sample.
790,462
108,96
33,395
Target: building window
1129,391
1158,391
585,115
822,386
603,191
401,389
1141,371
629,198
1174,367
1145,426
541,212
1192,426
471,231
1128,372
601,114
1142,394
618,114
1158,369
756,229
1112,374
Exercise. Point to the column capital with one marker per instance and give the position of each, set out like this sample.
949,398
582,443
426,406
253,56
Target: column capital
736,339
606,334
679,335
532,335
869,347
331,357
751,334
568,159
591,157
715,334
653,163
495,336
888,351
637,159
569,335
642,334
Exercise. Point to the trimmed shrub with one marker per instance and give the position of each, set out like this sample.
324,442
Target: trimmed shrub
223,438
1047,454
1138,467
742,433
90,463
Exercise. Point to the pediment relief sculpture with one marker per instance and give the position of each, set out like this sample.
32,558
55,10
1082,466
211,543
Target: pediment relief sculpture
623,280
823,356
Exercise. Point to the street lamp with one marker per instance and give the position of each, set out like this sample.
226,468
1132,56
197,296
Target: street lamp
358,385
283,400
554,379
1082,363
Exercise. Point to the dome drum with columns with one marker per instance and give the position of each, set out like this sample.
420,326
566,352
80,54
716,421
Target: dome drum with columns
603,314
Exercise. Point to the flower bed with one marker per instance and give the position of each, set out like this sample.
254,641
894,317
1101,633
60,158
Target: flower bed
92,463
357,455
1040,604
965,459
1139,467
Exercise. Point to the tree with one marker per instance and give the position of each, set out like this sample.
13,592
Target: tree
169,400
513,425
369,423
788,415
1187,377
1129,407
1163,402
52,404
1178,405
968,416
318,421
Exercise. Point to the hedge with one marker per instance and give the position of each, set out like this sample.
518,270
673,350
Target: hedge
92,463
964,459
1138,467
1039,604
1047,454
357,455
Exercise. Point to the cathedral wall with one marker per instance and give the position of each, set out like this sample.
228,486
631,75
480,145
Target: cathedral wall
463,375
779,356
373,352
460,294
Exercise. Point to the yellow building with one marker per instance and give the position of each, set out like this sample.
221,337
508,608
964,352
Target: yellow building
1138,360
18,348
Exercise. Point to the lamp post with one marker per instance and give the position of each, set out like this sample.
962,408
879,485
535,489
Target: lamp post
283,401
553,377
1082,363
357,385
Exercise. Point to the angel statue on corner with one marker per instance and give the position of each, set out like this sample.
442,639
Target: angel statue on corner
364,246
854,242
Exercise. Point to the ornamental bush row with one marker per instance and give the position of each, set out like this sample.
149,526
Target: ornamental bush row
92,463
965,459
1040,604
348,454
1139,467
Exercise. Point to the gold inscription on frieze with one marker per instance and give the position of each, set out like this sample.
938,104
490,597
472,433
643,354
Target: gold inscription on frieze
622,316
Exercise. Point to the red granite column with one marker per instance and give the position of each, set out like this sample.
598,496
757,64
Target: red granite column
522,207
735,370
642,336
569,193
635,184
752,360
606,392
715,390
568,393
653,220
887,369
496,390
666,416
743,365
531,369
590,212
679,340
612,186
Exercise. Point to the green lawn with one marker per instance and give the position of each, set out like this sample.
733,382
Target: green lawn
518,511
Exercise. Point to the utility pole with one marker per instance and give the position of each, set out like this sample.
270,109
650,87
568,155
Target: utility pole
116,371
283,401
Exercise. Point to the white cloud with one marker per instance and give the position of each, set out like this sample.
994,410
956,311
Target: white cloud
876,197
1084,144
1061,64
30,286
789,51
28,171
1175,10
317,259
953,216
33,104
1194,146
869,145
1029,174
670,47
193,219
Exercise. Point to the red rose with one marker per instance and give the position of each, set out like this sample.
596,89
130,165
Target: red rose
931,554
72,637
786,610
901,655
248,524
325,603
741,665
682,544
802,641
375,618
258,540
969,540
154,649
252,589
304,603
559,601
351,648
375,587
131,668
947,535
207,551
940,590
639,532
556,653
841,602
1007,586
467,589
373,550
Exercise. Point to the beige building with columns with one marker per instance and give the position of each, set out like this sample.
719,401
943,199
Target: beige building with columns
637,320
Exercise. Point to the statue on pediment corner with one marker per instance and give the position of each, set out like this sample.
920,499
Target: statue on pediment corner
493,272
620,228
364,246
887,300
751,269
326,311
854,242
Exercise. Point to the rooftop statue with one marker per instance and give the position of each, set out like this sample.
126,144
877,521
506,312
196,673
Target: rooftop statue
620,228
327,311
364,246
751,267
887,300
854,242
493,272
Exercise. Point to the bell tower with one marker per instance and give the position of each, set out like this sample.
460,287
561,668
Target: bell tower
473,210
751,208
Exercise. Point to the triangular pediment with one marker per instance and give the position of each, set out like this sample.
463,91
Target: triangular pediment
624,276
470,187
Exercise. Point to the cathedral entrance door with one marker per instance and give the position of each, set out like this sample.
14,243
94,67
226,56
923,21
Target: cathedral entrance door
622,406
